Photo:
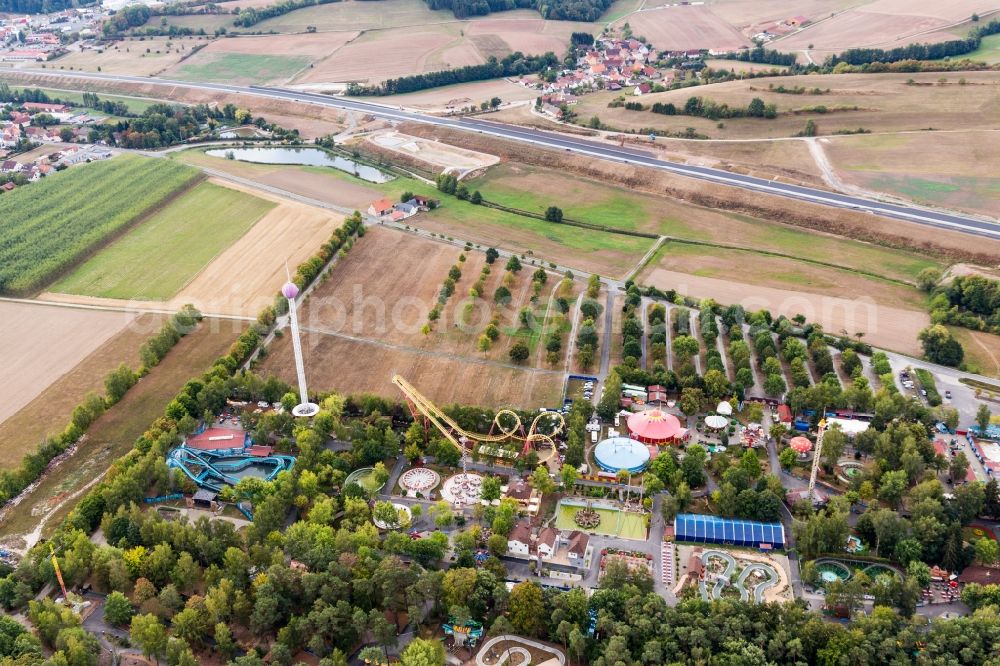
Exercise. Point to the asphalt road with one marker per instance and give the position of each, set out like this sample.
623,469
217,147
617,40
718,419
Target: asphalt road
916,214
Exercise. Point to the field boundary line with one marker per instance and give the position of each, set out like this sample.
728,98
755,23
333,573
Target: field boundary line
112,308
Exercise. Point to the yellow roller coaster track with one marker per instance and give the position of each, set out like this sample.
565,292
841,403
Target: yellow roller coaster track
459,436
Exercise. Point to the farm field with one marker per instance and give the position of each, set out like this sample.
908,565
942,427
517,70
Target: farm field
592,251
750,14
462,94
356,15
115,432
42,343
131,57
535,188
885,103
62,218
351,316
258,59
884,24
443,380
184,236
392,314
245,276
681,27
962,175
49,411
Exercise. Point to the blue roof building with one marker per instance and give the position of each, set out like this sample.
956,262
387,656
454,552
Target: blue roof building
728,531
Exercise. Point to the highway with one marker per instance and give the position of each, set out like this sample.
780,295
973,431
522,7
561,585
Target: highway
556,141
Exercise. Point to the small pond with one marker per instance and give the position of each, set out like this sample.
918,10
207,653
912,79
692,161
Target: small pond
304,156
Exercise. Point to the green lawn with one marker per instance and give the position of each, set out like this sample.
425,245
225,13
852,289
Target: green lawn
240,67
157,258
624,524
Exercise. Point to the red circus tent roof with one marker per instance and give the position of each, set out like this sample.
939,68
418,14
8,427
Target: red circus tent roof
654,426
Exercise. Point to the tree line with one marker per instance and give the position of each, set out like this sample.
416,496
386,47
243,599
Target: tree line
515,64
563,10
706,108
954,47
251,16
41,6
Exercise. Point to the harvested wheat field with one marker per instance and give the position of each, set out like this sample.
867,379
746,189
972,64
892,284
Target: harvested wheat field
681,27
463,94
259,58
501,34
885,24
246,276
749,13
114,433
352,366
385,54
131,57
42,343
883,325
982,350
49,412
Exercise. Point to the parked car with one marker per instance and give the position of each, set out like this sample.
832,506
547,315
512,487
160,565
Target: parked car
947,395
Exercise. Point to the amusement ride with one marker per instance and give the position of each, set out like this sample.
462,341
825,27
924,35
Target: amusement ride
426,411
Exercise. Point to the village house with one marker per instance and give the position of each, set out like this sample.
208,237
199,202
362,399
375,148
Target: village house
25,55
44,107
547,542
380,208
577,548
519,539
642,89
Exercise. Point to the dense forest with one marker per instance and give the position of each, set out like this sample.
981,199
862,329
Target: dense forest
515,64
41,6
562,10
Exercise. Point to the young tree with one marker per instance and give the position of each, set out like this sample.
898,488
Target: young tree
423,652
519,352
118,609
541,481
149,634
983,416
